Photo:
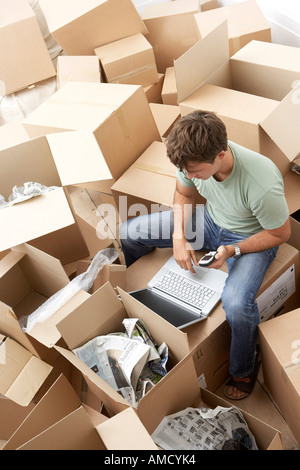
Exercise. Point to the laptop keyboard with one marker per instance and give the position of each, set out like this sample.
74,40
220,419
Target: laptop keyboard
192,293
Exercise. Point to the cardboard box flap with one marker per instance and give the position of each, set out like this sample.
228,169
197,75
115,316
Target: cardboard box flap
78,157
22,374
195,66
37,216
11,259
59,401
101,314
136,436
161,330
286,136
101,385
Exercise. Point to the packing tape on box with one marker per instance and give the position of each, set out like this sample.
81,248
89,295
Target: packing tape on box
153,169
132,73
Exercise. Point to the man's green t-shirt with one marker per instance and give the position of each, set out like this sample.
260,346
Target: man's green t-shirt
250,199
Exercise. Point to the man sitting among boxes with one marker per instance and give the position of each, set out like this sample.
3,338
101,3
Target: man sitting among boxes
245,219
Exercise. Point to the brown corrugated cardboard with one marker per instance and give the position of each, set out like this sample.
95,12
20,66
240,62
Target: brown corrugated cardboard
53,161
129,60
169,89
24,58
79,27
153,92
28,278
118,115
12,133
172,29
89,324
22,373
279,339
78,69
165,117
12,415
245,23
276,69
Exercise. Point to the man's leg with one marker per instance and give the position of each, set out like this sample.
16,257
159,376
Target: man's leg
139,236
245,277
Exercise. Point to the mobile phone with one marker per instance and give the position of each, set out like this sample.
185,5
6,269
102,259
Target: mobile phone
207,259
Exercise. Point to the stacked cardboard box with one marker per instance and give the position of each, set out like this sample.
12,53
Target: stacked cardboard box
99,141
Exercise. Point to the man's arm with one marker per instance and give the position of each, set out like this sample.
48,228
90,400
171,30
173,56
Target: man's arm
263,240
182,209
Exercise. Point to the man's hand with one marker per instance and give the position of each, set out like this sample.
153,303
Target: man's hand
223,252
184,254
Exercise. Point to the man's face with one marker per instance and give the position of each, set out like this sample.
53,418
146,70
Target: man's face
200,170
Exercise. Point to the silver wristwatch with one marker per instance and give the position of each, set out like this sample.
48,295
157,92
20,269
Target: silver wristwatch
237,251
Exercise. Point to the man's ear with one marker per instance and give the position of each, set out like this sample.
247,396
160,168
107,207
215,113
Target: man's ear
221,154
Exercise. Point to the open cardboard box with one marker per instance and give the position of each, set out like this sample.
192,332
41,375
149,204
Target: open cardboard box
60,421
153,91
54,161
102,314
148,185
279,340
28,277
129,60
118,115
12,415
77,69
209,340
165,116
245,23
172,29
22,373
181,390
79,27
24,58
251,92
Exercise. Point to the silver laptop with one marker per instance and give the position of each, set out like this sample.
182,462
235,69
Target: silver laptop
181,297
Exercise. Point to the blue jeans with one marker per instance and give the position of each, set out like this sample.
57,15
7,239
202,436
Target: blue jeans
139,236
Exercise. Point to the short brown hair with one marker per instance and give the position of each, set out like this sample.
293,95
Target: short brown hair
198,136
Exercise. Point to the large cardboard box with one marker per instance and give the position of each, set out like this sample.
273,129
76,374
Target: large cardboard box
79,27
77,69
251,92
245,23
24,58
279,339
22,374
172,29
28,278
118,115
209,340
60,421
54,161
169,89
129,60
103,314
182,390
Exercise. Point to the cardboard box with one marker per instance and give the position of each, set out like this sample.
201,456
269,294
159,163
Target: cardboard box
279,339
77,69
165,117
148,185
29,277
208,4
12,415
245,23
181,390
169,89
12,133
60,421
24,56
102,314
80,27
22,373
209,341
114,273
153,92
118,115
54,161
129,60
172,29
254,119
